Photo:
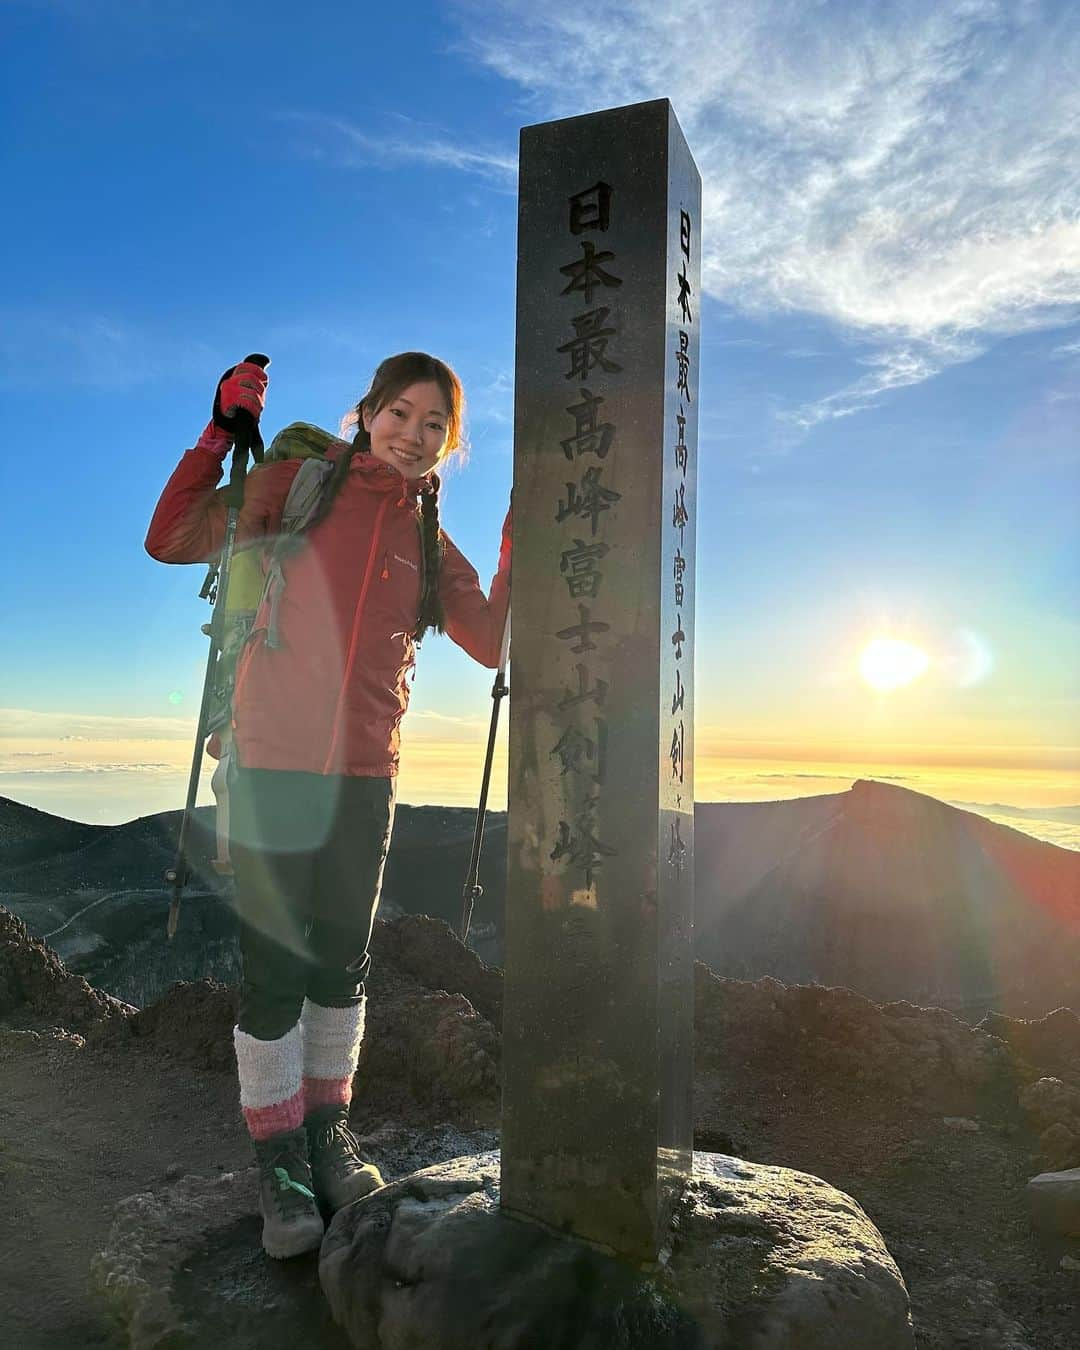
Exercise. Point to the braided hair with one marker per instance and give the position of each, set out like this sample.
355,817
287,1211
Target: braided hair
394,375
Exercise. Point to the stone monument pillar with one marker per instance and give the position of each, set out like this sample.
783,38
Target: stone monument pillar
598,1017
596,1225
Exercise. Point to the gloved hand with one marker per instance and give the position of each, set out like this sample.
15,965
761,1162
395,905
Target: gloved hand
215,440
242,386
506,548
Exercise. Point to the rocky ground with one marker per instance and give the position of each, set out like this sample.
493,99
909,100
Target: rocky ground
933,1126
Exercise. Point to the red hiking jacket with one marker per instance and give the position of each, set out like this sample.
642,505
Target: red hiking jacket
331,697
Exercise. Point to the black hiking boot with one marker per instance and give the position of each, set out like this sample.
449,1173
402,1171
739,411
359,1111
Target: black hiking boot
340,1174
292,1223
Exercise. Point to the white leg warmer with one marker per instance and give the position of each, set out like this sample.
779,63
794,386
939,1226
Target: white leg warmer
271,1082
332,1038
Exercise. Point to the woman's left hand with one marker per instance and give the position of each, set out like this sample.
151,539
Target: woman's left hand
507,538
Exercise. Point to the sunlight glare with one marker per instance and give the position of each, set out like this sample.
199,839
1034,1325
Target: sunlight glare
888,663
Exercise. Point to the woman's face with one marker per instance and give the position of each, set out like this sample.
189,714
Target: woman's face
409,432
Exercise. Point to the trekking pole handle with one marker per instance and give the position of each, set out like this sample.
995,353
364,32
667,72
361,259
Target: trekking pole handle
242,419
246,441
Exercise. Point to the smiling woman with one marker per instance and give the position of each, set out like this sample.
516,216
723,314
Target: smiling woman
889,663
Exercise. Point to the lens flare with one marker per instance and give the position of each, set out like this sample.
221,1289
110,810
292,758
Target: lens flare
888,663
967,659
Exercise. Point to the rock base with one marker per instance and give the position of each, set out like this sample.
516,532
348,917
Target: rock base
184,1269
760,1257
1053,1200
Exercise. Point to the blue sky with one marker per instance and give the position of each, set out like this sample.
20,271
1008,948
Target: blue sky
889,369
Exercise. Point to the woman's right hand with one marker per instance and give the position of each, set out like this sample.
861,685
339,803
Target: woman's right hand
241,387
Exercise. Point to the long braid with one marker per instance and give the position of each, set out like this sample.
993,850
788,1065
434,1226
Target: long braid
431,614
394,375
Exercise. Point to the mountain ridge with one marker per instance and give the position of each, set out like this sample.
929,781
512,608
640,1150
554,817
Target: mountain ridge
880,889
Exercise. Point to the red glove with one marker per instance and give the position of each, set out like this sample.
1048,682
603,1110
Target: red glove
507,546
244,386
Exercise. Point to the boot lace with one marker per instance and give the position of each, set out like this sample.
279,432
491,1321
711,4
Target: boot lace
287,1183
338,1146
290,1194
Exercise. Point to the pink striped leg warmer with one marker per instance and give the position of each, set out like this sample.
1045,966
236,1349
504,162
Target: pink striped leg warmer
271,1082
332,1039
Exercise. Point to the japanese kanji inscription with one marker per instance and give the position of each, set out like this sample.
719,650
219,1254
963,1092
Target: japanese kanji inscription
597,1118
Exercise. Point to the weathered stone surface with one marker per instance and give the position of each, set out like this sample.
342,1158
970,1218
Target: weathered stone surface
183,1265
152,1234
1053,1200
597,1118
759,1257
184,1269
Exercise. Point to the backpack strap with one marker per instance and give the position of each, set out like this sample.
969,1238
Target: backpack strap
300,507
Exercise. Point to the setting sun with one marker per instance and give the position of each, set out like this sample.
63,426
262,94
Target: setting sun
888,663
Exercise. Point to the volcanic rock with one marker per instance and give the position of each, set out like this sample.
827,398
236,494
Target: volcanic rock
759,1257
35,983
426,948
835,1035
1052,1042
182,1266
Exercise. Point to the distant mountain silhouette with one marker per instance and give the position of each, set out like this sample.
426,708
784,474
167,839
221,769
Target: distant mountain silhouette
891,893
46,855
880,889
97,893
28,835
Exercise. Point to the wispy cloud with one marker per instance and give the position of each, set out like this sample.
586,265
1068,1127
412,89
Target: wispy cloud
352,146
103,352
427,719
27,723
830,777
906,171
68,767
890,366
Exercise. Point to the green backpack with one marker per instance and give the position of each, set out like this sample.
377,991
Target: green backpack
249,581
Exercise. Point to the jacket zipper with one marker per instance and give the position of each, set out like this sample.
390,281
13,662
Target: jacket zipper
368,570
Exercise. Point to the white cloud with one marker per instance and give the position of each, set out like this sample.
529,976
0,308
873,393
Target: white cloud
27,723
421,718
10,776
352,146
905,362
905,170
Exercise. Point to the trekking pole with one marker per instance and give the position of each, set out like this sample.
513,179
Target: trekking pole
473,890
246,440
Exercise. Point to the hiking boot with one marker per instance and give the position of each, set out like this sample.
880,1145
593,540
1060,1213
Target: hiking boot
292,1223
340,1174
